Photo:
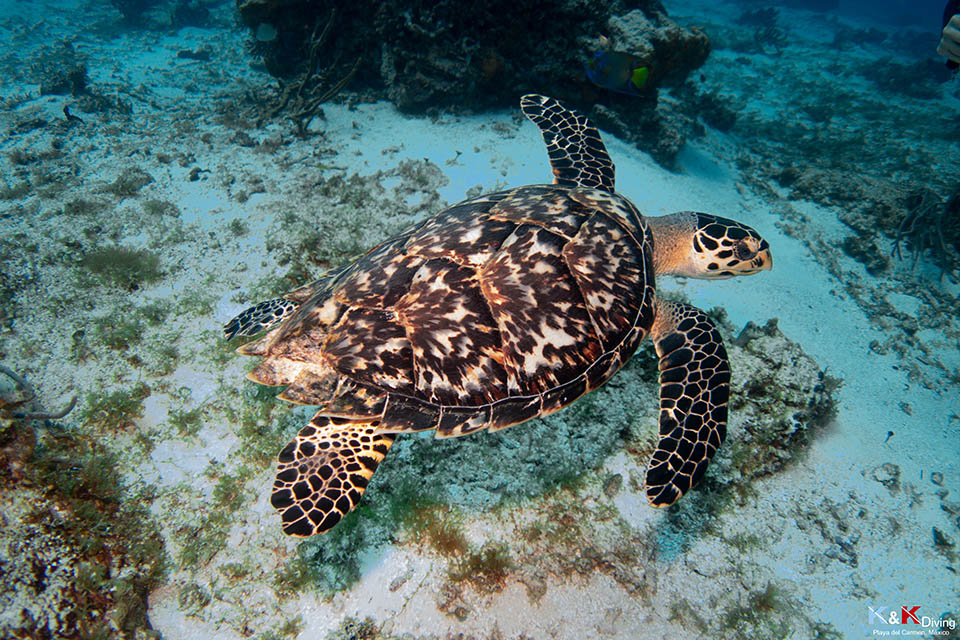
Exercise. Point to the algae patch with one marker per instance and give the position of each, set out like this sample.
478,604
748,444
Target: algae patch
129,182
126,268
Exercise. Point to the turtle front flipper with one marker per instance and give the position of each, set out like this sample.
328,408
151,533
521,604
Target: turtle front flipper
577,154
260,317
322,473
694,387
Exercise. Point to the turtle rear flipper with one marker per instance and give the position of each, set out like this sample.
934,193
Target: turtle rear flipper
260,317
322,473
694,387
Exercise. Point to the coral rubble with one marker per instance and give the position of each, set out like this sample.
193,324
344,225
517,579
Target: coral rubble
77,554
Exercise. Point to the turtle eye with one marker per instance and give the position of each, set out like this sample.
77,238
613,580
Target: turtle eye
745,249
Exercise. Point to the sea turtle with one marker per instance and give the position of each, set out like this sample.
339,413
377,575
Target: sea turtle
499,309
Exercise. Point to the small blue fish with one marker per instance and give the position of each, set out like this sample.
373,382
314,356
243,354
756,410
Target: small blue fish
618,71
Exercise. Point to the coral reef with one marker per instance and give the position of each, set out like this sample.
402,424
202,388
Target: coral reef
781,397
846,37
300,97
831,150
712,108
913,216
674,51
425,56
770,40
129,182
656,131
645,120
60,70
18,408
863,248
871,205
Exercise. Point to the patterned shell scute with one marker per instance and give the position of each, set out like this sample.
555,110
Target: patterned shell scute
380,278
611,261
456,342
497,310
318,311
544,206
615,207
370,346
547,336
460,234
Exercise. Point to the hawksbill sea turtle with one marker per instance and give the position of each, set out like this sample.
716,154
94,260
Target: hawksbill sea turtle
497,310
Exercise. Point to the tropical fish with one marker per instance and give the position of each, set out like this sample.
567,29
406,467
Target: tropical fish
618,71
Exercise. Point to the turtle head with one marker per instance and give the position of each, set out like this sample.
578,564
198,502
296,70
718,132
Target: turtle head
723,248
702,245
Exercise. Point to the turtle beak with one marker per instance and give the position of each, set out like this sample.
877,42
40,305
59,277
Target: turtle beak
761,261
764,259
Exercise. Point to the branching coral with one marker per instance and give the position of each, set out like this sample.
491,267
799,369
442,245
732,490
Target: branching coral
301,98
930,224
24,396
17,439
770,40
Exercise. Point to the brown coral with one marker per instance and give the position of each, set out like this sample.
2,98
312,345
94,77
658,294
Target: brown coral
17,439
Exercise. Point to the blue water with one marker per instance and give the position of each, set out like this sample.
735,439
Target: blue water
926,14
